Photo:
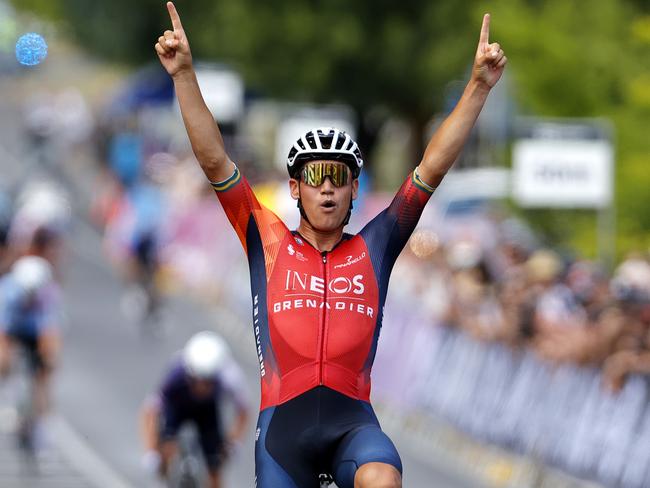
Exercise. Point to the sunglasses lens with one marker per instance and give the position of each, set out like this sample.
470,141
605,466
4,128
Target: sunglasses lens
314,174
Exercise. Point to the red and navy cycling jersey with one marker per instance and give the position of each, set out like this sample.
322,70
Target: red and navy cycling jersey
317,316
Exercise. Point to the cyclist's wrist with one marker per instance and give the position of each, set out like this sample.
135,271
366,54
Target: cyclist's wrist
233,445
151,462
478,87
185,75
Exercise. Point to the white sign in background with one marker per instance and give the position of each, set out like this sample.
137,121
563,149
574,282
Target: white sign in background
562,173
223,93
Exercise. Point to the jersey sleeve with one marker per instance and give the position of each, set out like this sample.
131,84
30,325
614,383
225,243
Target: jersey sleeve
173,376
238,201
387,234
257,227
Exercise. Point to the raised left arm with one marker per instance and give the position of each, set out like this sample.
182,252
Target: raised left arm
446,143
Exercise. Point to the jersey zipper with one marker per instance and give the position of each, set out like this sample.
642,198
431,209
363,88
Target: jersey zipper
324,321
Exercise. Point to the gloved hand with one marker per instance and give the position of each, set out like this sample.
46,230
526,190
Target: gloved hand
151,462
231,448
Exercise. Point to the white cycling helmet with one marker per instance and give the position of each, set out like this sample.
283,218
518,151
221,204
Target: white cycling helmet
31,273
325,143
205,354
44,203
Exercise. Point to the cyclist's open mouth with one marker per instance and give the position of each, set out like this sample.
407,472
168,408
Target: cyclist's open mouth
328,206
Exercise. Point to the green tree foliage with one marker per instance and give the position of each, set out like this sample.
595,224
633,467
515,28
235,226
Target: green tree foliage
573,58
399,54
44,8
569,53
118,30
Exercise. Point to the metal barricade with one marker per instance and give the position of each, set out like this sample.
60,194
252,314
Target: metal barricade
560,414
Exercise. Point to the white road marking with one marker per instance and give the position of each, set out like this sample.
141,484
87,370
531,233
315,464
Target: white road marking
82,457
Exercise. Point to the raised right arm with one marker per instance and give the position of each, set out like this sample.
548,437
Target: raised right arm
173,50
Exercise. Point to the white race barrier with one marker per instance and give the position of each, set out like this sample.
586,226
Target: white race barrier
509,397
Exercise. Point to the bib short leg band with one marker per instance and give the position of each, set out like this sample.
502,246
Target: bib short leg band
320,431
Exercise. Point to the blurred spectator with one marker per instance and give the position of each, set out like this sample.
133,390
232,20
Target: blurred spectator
40,120
591,339
40,221
632,278
126,153
40,204
423,277
556,305
623,363
74,121
134,238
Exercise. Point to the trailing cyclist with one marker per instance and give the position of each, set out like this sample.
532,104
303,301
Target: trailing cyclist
195,389
30,313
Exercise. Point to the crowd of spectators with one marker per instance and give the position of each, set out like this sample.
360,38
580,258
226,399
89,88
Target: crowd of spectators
568,311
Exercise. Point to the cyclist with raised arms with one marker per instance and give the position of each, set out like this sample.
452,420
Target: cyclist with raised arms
317,292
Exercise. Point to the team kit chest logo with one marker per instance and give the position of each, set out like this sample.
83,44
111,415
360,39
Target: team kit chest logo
344,290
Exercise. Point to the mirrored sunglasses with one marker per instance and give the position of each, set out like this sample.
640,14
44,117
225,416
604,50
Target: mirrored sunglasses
315,172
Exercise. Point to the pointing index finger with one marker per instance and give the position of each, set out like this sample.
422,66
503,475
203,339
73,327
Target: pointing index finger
485,30
173,14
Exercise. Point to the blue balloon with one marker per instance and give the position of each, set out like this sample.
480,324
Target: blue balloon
31,49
